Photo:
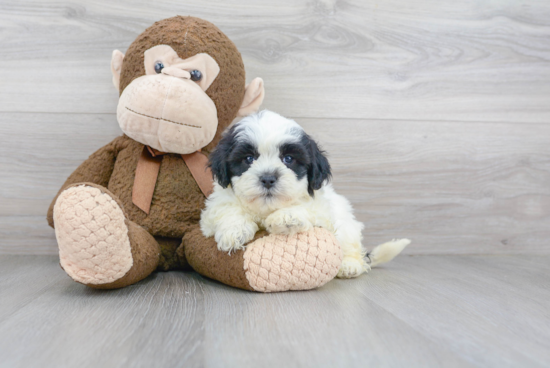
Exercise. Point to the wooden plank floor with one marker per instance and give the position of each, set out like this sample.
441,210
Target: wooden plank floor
436,118
418,311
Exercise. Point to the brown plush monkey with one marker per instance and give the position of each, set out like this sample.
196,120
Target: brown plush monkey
133,206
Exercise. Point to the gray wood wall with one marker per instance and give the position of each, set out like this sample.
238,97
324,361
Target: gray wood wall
436,114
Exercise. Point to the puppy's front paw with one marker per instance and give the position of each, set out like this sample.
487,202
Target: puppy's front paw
352,267
286,222
235,237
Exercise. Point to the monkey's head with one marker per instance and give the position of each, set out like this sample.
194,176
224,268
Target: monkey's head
181,83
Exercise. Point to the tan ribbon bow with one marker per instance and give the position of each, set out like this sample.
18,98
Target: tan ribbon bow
147,172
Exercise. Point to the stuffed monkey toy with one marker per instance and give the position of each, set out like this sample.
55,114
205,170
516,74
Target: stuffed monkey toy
133,206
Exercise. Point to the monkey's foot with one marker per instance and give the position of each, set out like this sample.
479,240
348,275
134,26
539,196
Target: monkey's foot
270,262
292,262
92,233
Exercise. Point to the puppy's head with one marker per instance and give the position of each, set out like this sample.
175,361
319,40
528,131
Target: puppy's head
269,159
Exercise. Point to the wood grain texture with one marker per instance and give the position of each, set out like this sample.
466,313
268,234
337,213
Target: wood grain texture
422,311
435,115
430,60
454,188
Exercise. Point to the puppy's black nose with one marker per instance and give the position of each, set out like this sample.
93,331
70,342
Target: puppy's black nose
268,180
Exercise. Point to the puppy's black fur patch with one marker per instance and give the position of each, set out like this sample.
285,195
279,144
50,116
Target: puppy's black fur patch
301,157
309,160
229,158
318,170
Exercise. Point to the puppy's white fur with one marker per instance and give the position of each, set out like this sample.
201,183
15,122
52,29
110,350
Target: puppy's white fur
234,214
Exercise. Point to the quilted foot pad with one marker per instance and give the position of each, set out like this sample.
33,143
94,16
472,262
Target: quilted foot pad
292,262
94,247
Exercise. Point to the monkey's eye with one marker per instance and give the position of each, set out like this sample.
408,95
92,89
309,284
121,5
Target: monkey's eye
159,66
249,159
196,75
288,159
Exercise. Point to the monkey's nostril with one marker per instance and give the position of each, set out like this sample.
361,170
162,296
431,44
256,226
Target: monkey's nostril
268,180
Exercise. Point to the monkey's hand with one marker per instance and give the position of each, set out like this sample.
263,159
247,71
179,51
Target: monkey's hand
288,221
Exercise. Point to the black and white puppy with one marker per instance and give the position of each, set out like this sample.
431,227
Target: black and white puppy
270,174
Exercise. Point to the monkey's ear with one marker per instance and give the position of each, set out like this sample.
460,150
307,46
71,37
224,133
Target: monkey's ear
116,67
253,97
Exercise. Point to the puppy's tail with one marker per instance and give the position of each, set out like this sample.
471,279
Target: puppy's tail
386,252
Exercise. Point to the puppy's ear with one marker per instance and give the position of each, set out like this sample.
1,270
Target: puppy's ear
318,170
218,159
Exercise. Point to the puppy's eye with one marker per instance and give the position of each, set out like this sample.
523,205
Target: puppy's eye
249,159
159,66
288,159
196,75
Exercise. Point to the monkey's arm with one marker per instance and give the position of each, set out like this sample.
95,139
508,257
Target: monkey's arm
97,169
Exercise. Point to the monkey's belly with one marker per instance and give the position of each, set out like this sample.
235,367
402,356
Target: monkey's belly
177,199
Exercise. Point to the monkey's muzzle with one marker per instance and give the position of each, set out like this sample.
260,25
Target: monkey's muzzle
167,113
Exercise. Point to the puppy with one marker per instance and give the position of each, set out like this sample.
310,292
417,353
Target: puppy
270,174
